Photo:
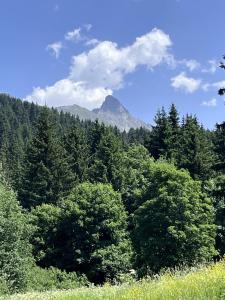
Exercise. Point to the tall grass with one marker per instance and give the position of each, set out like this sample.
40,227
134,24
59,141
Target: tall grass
202,283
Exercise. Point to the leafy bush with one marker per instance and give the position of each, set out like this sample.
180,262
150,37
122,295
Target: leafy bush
15,250
53,278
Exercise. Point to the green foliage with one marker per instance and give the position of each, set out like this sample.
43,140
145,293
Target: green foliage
47,176
199,283
15,250
105,160
46,241
173,221
174,136
196,149
187,145
160,135
216,189
133,166
83,227
87,233
18,121
53,279
95,225
219,147
77,149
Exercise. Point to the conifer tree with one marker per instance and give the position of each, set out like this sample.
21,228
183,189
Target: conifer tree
94,137
195,152
47,176
106,160
161,132
78,152
219,147
173,139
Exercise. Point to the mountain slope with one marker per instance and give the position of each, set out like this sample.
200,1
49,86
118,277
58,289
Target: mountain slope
112,112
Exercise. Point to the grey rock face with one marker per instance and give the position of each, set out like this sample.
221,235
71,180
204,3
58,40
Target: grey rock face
112,112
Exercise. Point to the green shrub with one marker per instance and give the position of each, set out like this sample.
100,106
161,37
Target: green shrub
15,250
52,278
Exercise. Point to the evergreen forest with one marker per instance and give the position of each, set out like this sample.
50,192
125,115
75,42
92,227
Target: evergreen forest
84,203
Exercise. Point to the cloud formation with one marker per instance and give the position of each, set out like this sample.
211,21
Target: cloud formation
213,86
185,83
88,27
191,64
68,92
55,48
107,64
102,69
210,103
213,66
74,35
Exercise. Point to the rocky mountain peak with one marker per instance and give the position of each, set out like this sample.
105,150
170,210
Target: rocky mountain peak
112,105
112,112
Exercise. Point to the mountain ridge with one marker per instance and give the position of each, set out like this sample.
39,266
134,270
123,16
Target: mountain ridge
111,112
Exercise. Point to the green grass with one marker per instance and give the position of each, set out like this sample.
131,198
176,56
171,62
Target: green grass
203,283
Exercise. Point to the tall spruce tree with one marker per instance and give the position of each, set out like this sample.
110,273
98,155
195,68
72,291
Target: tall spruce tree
106,160
47,176
196,151
160,135
174,137
78,152
219,147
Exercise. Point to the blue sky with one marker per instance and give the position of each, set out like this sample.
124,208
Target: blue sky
147,53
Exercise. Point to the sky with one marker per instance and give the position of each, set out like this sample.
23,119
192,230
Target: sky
146,53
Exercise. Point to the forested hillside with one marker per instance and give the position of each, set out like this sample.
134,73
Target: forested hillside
82,202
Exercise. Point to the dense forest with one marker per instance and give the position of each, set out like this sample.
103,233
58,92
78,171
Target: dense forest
82,202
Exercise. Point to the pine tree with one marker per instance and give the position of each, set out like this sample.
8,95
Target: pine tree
78,152
106,160
47,176
160,135
173,139
219,146
95,134
195,152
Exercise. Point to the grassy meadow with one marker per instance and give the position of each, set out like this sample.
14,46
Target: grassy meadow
203,283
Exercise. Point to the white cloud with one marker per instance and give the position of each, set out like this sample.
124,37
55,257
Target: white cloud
106,64
210,103
102,69
67,92
191,64
213,66
213,86
55,48
92,42
185,83
88,27
74,35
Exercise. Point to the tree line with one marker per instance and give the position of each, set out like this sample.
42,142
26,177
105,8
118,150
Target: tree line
89,200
